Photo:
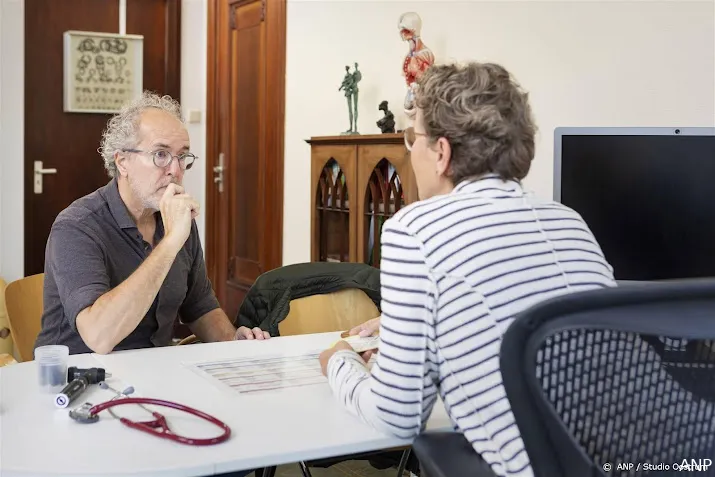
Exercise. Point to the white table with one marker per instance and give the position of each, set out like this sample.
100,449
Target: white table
268,428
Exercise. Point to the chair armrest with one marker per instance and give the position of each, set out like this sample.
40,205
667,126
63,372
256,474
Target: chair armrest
449,454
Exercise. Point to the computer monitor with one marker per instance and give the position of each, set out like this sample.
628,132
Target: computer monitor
647,194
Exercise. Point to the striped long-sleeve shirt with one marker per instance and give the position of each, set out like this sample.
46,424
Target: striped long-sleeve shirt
455,271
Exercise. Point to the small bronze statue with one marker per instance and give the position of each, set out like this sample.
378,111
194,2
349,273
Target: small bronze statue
387,123
350,85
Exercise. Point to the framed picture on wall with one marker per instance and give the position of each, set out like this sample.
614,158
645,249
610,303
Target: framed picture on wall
102,71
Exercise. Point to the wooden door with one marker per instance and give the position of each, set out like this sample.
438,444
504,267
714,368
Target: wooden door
68,142
246,83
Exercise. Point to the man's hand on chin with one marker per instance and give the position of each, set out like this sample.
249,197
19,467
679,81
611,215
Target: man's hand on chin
244,333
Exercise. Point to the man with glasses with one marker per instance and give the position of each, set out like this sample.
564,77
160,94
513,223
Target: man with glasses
124,262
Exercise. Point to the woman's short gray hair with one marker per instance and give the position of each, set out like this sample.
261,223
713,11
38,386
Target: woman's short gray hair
121,131
483,113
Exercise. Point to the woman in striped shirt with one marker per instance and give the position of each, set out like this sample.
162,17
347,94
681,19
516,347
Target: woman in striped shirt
458,265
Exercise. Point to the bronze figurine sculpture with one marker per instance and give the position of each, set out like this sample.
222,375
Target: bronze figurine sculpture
350,86
387,122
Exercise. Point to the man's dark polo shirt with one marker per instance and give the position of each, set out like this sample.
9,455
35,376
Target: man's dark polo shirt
94,245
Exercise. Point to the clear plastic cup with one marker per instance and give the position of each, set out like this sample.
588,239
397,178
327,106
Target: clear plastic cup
52,367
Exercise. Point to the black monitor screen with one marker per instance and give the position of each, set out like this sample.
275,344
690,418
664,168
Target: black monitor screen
649,200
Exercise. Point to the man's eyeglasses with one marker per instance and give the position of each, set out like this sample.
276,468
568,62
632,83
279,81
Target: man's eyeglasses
163,158
411,137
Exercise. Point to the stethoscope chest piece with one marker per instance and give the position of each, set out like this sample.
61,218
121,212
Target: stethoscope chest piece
83,415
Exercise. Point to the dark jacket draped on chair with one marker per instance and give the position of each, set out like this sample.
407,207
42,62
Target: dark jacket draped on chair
268,300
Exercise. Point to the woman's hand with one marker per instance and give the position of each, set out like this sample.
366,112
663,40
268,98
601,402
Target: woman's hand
368,328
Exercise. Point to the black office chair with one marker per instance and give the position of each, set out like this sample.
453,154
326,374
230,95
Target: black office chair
604,379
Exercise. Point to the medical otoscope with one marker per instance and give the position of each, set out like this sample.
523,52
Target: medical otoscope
78,379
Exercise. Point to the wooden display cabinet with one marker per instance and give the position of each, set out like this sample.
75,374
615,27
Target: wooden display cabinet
357,182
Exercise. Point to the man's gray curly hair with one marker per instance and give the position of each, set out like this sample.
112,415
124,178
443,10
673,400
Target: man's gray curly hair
121,131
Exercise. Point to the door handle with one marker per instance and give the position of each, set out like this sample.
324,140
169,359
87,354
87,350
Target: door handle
218,177
39,172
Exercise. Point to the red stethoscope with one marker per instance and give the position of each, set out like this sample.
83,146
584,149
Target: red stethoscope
157,427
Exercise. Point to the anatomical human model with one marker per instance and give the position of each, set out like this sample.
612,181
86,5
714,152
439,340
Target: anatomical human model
418,58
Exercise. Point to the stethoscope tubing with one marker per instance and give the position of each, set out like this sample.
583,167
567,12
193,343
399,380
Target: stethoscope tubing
160,420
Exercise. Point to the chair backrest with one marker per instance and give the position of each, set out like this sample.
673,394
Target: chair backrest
623,375
272,296
336,311
24,302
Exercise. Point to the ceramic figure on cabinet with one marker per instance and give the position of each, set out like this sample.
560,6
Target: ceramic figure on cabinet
418,58
387,122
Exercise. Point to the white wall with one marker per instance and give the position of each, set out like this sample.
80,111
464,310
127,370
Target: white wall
11,134
194,17
193,78
1,128
603,63
585,63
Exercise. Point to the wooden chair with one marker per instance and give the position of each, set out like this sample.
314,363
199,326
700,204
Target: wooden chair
6,360
24,302
337,311
5,334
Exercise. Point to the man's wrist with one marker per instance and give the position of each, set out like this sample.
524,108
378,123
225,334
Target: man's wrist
169,246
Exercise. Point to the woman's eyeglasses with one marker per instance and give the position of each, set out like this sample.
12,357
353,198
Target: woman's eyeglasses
411,137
